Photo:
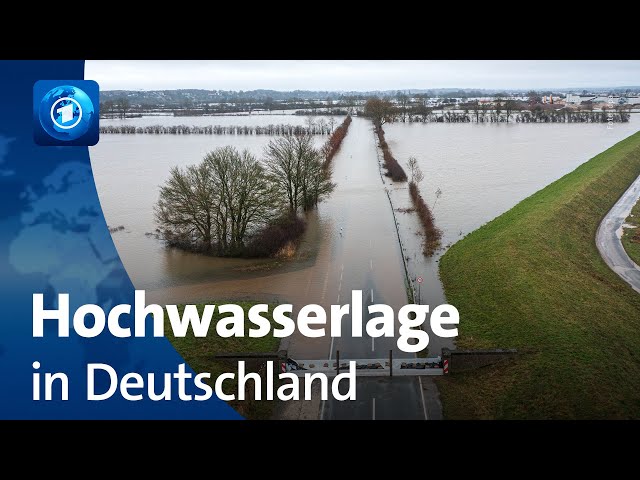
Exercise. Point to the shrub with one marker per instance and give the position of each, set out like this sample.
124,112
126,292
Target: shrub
276,238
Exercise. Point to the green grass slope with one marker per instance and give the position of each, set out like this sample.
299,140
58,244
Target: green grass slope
533,279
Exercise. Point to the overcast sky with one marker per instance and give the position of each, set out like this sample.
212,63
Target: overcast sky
360,75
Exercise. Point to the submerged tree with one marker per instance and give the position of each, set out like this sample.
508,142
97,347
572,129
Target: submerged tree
216,204
380,111
296,168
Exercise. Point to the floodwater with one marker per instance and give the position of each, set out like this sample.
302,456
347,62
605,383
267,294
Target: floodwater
129,170
261,120
482,171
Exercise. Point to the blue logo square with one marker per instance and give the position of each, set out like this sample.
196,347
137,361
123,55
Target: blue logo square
66,112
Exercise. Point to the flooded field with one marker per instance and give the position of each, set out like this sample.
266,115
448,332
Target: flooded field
482,171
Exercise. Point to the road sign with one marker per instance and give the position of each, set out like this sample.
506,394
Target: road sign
420,279
445,366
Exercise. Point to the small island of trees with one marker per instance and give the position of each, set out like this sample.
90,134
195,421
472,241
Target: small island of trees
233,204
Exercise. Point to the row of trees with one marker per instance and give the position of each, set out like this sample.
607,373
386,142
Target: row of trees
433,235
394,169
383,111
115,108
318,128
232,204
331,147
533,116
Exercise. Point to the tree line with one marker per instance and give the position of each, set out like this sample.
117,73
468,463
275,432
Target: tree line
433,234
232,204
383,111
331,147
319,128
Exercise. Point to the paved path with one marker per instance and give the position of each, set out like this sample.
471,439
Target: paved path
608,237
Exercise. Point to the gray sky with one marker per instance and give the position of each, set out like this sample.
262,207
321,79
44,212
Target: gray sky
360,74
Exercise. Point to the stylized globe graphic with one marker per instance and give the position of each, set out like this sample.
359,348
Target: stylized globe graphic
66,112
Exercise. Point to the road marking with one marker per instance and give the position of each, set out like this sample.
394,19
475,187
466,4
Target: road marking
424,405
341,276
331,348
342,267
326,281
306,293
338,301
372,295
370,243
371,264
374,408
372,344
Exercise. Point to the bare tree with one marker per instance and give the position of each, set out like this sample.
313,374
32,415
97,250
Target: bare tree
475,106
332,123
403,103
217,203
380,111
509,107
311,122
124,106
185,209
498,108
322,125
295,167
414,170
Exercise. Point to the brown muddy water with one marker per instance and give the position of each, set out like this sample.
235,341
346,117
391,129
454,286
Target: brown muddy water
482,171
128,171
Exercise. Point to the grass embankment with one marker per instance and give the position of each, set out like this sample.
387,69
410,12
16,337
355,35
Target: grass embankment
198,352
533,279
631,237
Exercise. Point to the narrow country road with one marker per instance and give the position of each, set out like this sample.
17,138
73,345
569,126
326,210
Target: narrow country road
608,237
364,254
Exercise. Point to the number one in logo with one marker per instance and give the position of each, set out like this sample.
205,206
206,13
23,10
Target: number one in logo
66,113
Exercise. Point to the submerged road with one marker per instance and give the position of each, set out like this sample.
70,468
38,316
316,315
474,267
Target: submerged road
608,237
363,254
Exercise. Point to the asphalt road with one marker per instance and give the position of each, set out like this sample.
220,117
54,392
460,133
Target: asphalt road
608,237
364,254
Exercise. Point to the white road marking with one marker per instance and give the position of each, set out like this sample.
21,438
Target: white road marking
331,348
372,344
338,301
306,293
342,267
341,276
424,405
372,295
374,408
326,282
371,264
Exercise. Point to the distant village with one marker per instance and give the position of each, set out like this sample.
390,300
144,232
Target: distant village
129,104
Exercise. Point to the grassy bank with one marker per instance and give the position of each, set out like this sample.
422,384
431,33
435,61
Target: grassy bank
533,279
631,236
197,353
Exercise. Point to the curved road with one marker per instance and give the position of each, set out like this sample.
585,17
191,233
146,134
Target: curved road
608,237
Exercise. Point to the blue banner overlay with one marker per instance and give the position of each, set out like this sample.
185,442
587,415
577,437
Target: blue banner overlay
54,239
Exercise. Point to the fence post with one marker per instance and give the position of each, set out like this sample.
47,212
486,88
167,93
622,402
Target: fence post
391,363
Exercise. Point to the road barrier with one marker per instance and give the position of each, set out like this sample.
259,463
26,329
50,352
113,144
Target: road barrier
369,367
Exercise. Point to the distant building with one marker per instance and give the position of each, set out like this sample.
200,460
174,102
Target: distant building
600,98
